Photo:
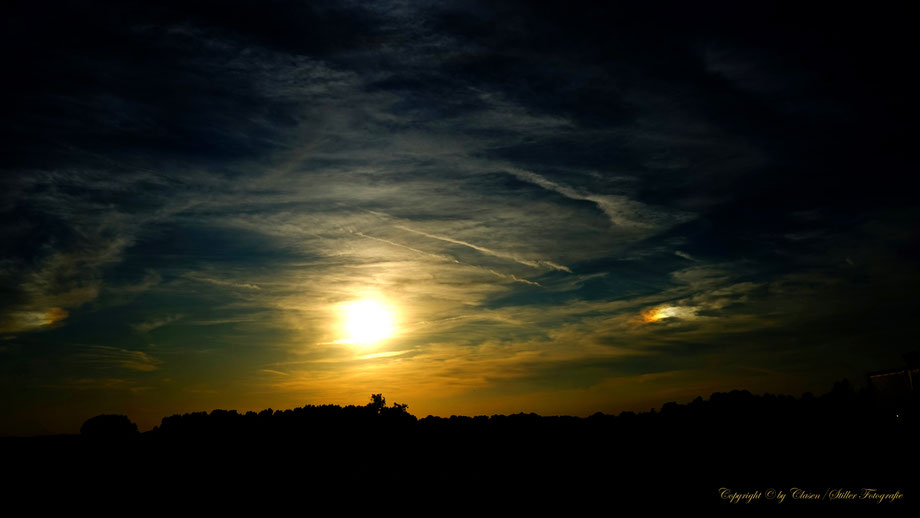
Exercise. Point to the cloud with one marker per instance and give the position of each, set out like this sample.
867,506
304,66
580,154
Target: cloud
150,325
62,281
16,321
661,313
221,282
622,211
451,259
503,255
114,357
272,371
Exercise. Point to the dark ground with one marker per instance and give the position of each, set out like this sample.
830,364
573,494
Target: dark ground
680,455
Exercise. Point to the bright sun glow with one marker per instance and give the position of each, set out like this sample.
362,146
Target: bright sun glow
367,322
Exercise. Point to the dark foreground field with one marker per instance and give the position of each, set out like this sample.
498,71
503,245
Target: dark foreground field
680,455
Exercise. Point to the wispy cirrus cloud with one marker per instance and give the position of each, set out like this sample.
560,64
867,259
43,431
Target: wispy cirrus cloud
622,211
150,325
487,251
113,357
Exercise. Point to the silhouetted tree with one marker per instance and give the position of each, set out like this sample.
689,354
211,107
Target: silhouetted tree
109,426
378,403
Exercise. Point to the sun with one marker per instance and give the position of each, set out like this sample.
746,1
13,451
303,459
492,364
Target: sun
366,322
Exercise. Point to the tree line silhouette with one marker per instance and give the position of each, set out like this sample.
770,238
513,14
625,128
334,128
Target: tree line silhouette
842,407
734,439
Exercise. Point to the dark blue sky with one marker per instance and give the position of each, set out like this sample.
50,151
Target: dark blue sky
556,207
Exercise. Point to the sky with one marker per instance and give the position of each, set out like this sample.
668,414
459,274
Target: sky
550,207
